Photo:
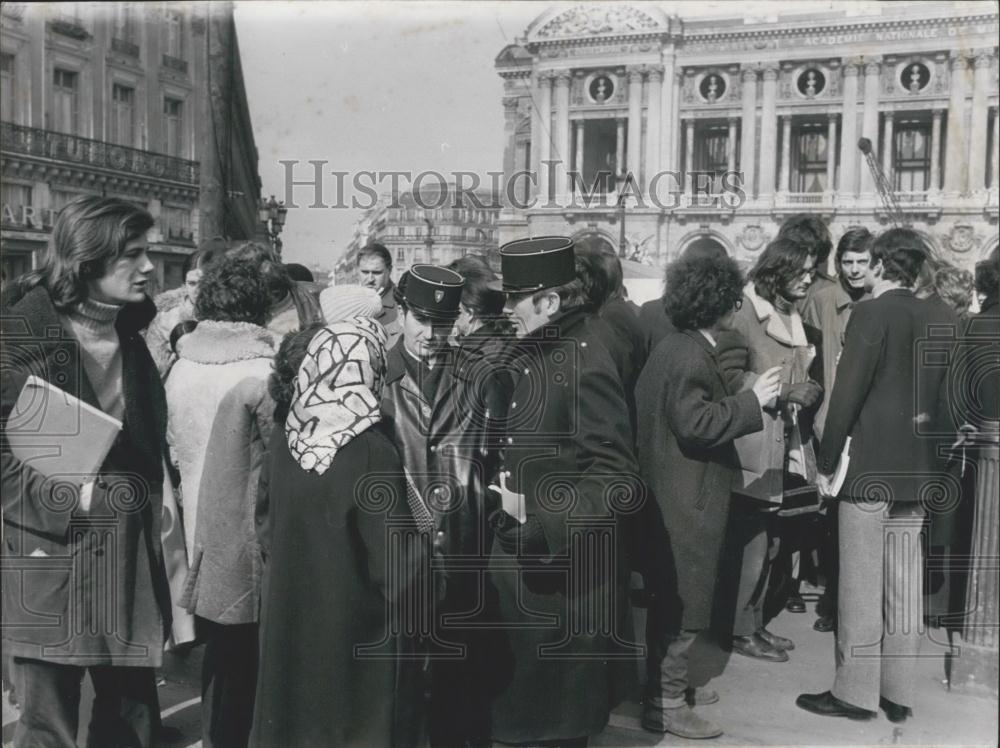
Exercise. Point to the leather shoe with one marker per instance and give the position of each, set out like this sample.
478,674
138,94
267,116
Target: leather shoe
756,647
777,642
828,705
895,712
824,624
795,604
700,696
682,721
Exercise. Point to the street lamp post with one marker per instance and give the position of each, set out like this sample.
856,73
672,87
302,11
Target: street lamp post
272,215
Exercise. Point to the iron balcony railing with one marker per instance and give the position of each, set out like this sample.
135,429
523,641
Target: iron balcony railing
73,149
125,47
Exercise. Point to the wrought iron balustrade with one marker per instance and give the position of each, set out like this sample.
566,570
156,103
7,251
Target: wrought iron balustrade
175,63
73,149
125,47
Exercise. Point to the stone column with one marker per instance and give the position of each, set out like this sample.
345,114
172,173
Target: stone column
935,183
887,146
619,147
675,131
785,184
653,146
668,113
578,160
768,131
536,136
731,145
688,146
831,152
561,126
748,130
980,119
545,131
869,124
995,154
849,132
634,144
956,152
510,145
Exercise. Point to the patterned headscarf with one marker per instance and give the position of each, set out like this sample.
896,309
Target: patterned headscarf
337,391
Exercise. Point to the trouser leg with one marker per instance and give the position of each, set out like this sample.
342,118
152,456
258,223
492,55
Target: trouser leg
126,710
50,704
859,608
829,563
752,533
229,683
903,602
667,670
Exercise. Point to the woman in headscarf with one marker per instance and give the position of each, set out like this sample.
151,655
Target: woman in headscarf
341,548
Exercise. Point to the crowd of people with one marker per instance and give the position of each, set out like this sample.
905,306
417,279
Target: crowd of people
419,512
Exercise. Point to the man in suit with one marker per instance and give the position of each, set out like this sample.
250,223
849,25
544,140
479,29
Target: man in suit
890,402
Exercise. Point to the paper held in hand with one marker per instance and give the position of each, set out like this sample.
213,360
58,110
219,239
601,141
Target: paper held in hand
58,434
837,481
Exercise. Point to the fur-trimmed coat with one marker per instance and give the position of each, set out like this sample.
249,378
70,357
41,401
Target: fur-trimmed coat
220,422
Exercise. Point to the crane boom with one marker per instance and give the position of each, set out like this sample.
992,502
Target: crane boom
885,190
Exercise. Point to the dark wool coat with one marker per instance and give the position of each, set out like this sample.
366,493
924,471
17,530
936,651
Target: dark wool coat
890,396
655,323
687,422
622,335
336,565
84,589
562,578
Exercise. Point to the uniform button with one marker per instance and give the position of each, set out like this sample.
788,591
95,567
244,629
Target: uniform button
527,371
583,345
510,439
513,405
433,448
101,483
440,534
507,473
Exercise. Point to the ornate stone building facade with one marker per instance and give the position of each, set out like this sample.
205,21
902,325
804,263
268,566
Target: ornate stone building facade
601,90
114,100
433,229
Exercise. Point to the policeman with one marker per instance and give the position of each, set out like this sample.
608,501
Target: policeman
434,403
568,475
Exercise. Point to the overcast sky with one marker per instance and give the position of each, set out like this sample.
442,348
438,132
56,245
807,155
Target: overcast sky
389,86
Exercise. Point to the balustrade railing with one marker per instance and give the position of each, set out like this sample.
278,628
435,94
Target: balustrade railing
84,151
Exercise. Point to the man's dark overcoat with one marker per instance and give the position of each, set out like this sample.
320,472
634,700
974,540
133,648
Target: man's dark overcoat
562,577
687,422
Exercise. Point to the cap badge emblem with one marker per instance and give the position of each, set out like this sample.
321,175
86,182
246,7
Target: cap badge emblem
438,296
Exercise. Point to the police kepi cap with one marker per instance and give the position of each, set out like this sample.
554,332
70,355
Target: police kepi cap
535,264
433,291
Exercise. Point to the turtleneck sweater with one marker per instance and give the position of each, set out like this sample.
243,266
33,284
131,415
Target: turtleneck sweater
92,323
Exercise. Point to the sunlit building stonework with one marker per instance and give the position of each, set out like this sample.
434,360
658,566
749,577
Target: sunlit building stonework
113,99
607,89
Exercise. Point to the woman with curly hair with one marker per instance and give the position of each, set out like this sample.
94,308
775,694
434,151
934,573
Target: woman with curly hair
220,416
687,421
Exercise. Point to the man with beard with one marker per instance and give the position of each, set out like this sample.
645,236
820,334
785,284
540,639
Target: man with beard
829,309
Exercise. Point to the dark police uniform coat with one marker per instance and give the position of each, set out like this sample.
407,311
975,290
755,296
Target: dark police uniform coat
562,576
85,589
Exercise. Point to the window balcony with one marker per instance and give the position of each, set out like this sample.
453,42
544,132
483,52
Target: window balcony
72,149
70,28
176,64
127,48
